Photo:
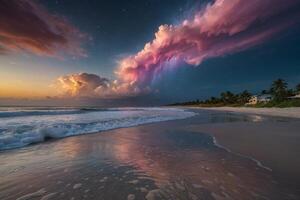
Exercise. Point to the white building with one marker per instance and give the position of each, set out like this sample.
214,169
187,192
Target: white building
264,98
295,97
255,99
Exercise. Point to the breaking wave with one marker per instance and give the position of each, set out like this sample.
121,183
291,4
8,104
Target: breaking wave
19,128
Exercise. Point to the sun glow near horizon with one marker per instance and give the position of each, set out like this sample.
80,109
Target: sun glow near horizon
24,82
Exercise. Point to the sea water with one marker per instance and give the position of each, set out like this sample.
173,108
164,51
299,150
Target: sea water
23,126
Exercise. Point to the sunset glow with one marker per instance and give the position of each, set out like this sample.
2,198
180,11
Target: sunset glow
51,57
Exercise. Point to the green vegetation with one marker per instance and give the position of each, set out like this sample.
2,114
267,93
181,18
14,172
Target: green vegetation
279,90
283,104
281,96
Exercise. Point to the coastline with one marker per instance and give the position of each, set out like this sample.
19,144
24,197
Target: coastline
292,112
142,161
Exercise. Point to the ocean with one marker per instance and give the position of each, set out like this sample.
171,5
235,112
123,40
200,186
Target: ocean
21,126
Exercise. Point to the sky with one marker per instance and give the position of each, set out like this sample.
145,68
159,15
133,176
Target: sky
150,52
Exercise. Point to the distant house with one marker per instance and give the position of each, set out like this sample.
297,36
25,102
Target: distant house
295,97
255,99
264,98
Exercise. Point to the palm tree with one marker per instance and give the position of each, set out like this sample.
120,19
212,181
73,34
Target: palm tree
228,97
298,88
244,97
279,90
214,100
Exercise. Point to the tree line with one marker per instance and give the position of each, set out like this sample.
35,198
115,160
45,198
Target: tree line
279,92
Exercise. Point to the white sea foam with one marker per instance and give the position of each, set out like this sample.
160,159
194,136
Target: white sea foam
21,130
254,160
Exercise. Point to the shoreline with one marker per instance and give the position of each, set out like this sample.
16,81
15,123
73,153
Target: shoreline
270,144
258,163
87,133
94,122
142,160
293,112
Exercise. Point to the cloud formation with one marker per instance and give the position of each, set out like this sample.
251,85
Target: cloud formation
26,26
222,27
92,85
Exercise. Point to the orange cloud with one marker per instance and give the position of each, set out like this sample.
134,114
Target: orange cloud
92,85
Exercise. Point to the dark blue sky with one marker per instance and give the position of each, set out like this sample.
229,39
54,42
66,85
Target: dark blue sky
253,69
118,27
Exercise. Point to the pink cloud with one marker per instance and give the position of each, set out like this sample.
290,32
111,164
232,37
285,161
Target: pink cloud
221,28
26,26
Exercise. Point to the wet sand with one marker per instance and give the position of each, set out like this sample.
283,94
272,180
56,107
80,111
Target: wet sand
275,144
167,160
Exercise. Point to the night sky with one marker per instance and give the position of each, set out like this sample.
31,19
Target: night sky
116,29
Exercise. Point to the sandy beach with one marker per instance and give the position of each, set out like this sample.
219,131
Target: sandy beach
273,142
279,112
167,160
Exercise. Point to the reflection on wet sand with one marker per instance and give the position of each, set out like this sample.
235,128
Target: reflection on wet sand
190,161
158,161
